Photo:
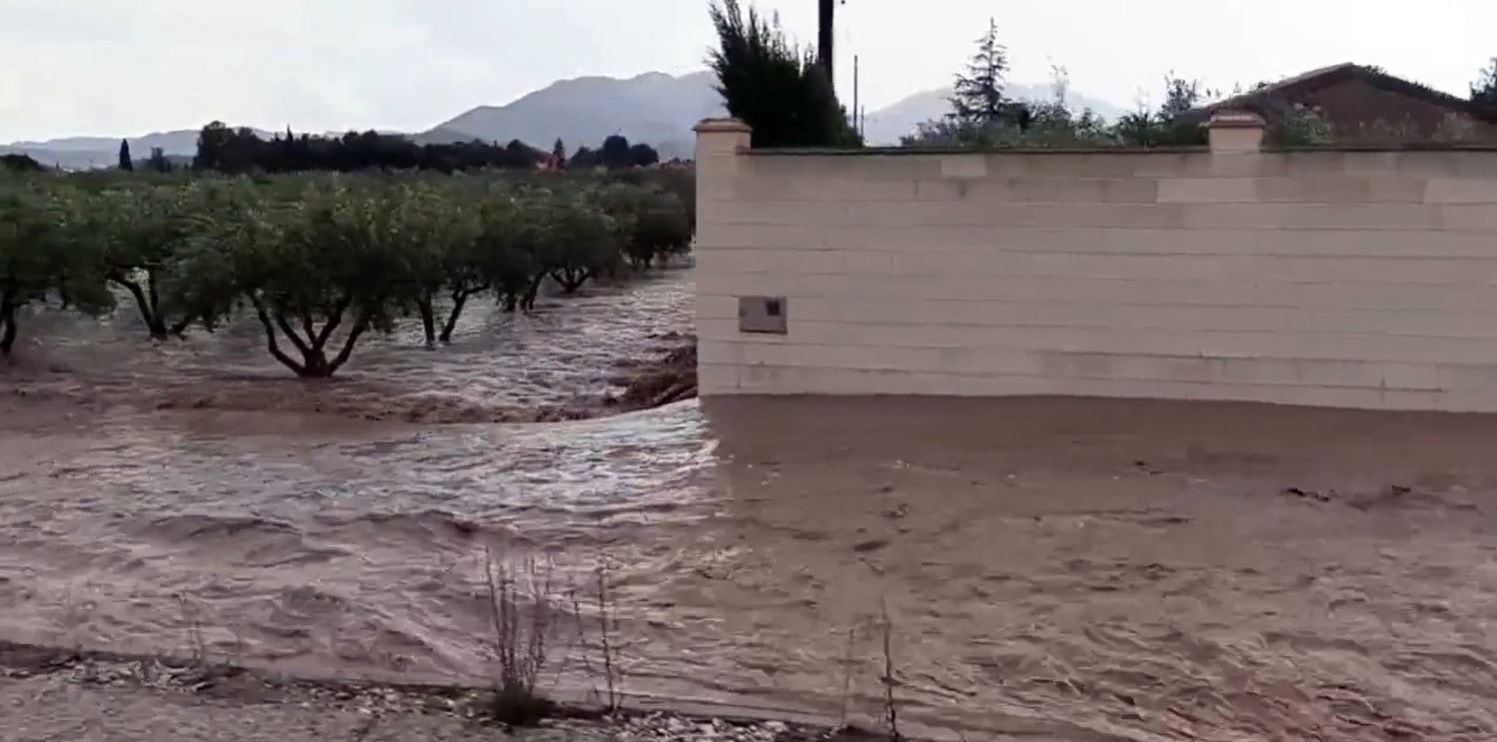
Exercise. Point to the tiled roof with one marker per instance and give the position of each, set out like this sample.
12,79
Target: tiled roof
1306,82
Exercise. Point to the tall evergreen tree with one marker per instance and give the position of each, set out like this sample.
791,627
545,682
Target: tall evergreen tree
1180,97
978,93
1484,90
774,86
125,162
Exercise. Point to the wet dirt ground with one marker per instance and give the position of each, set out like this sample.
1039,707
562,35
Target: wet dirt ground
1056,568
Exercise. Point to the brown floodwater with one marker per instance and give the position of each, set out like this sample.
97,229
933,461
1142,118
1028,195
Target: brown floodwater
562,361
1065,569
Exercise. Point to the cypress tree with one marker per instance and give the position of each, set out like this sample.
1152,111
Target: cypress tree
125,162
774,86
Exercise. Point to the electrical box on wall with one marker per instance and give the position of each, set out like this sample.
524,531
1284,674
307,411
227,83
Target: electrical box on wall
762,314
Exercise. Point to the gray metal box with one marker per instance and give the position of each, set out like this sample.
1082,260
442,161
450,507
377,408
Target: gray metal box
762,314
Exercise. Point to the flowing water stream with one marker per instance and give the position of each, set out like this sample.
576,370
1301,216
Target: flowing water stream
1054,569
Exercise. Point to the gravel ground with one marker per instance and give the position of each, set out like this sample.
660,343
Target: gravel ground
54,708
47,696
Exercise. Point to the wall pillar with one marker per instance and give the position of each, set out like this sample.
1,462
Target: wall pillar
719,144
1236,132
719,141
718,137
719,164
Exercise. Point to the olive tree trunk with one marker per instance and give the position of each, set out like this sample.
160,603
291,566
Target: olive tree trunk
527,302
148,301
428,321
459,301
7,324
313,348
572,279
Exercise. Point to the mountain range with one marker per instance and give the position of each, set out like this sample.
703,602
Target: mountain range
654,108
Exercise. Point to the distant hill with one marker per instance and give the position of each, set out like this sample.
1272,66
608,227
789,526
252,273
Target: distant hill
82,153
443,135
653,108
658,109
887,125
64,158
181,142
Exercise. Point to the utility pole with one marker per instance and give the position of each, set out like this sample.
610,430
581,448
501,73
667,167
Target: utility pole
824,36
855,125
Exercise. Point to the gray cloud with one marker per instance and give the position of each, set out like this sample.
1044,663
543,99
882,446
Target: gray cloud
131,66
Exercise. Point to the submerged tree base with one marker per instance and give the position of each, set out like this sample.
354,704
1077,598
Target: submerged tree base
148,301
7,326
314,362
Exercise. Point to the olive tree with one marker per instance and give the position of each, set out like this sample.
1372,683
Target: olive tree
650,221
312,264
435,236
576,241
507,250
659,228
145,229
43,253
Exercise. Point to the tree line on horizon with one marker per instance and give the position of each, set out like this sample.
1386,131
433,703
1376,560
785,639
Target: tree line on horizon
229,150
784,94
240,150
983,115
778,89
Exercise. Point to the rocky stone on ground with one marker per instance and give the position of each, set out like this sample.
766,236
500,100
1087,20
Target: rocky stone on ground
48,694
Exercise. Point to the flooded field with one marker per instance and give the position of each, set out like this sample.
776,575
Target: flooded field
560,362
1052,569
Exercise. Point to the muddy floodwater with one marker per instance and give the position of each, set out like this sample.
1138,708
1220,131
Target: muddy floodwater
1051,568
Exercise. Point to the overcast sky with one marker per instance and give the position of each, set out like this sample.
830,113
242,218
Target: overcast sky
117,67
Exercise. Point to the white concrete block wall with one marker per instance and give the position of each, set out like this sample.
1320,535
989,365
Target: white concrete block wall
1361,279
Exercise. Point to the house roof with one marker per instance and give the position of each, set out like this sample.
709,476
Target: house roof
1306,82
